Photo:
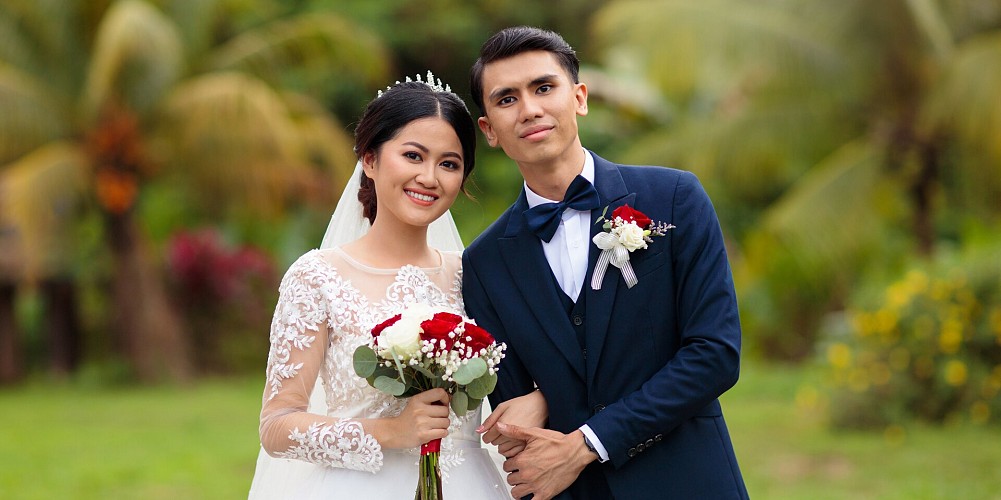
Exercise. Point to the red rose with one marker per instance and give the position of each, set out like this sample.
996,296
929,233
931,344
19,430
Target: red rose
630,214
478,337
438,327
385,324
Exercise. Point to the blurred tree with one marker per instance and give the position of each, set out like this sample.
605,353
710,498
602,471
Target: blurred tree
102,97
832,135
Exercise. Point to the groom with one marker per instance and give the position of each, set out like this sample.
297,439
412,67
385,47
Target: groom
631,374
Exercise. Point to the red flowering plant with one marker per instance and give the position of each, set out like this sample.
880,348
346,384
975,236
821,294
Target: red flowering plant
627,231
420,349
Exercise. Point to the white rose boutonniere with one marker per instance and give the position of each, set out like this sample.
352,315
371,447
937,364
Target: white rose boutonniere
627,231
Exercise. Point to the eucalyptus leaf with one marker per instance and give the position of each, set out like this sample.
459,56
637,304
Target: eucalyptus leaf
473,404
482,386
390,386
425,371
460,403
472,370
365,361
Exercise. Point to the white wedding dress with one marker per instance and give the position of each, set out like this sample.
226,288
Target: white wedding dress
328,304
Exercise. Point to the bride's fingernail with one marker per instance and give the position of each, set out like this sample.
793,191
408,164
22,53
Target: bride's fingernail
479,429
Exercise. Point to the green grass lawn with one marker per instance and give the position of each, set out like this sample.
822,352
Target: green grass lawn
200,442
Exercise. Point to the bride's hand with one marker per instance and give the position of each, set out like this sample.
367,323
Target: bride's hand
530,410
425,418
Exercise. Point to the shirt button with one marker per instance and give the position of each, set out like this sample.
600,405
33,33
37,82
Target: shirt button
578,320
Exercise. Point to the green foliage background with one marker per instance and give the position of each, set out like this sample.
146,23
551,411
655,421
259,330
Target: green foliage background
847,146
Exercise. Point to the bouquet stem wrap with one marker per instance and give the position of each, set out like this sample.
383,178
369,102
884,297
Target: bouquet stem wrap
429,473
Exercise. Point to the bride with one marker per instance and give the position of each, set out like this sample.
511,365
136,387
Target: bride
325,433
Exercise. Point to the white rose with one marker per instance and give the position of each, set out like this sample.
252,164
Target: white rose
630,236
418,311
402,338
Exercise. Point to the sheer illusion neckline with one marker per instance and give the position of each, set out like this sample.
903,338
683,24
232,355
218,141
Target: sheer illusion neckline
390,271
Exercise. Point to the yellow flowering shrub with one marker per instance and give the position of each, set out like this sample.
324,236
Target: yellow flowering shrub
927,347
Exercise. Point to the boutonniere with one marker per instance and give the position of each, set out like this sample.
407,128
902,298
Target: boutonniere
627,231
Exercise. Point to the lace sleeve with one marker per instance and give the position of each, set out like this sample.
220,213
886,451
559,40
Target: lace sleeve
298,342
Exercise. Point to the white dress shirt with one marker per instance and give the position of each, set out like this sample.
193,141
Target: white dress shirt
567,257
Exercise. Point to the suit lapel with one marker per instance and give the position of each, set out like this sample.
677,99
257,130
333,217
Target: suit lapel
526,263
613,192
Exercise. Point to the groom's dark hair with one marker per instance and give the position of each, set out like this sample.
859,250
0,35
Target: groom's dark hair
513,41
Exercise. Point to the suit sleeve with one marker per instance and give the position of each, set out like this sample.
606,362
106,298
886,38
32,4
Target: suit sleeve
513,379
708,359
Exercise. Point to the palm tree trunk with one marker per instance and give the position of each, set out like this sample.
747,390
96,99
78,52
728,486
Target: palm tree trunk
923,192
148,325
10,344
11,368
62,325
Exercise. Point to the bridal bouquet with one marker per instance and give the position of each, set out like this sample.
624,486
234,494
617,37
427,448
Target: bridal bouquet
420,349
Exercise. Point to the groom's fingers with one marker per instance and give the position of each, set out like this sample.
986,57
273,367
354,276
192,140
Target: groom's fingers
510,448
513,431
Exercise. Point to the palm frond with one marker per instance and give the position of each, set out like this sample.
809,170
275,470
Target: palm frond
966,106
137,56
40,36
32,114
38,198
687,44
312,46
236,138
929,19
835,211
195,20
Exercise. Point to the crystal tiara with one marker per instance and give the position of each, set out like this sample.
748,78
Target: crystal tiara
434,83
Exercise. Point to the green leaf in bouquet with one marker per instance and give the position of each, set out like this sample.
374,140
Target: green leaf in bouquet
365,361
380,371
472,370
389,386
473,404
460,403
482,386
423,370
413,386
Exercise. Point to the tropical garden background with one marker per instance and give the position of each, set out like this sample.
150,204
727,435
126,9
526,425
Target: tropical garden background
163,162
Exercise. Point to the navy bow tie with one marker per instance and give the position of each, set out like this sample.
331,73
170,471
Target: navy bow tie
545,218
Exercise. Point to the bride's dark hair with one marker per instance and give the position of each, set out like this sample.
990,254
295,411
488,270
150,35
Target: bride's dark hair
394,109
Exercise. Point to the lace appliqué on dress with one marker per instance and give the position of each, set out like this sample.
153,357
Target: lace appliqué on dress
343,444
313,293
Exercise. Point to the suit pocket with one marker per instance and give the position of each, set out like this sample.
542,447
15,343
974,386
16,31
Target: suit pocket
649,263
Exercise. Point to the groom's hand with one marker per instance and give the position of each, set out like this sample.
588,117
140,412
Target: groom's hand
550,462
529,410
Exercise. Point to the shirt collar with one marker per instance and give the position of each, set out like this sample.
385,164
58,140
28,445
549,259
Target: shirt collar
587,172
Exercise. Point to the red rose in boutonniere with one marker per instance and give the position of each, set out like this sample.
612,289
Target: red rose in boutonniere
627,231
630,214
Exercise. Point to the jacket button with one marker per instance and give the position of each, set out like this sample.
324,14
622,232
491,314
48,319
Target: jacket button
640,447
578,320
649,443
631,452
658,437
597,408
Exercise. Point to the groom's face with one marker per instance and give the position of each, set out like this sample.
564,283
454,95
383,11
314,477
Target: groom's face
531,108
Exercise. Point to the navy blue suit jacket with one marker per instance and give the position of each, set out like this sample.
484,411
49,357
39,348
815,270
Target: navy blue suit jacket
658,355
